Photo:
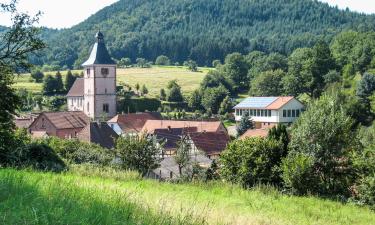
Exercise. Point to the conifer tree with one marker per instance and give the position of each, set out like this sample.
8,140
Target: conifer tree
246,123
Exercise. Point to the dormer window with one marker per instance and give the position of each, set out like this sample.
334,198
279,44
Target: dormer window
105,72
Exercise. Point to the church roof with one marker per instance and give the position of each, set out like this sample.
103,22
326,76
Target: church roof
77,88
99,53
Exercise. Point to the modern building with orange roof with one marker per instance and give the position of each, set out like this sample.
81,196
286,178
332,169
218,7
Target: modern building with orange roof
269,111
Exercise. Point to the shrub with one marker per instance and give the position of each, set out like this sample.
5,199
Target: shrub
252,161
162,60
133,105
366,191
298,174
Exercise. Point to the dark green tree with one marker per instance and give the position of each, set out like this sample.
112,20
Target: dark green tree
212,97
174,92
268,83
49,84
59,85
124,62
245,124
195,100
191,65
225,106
69,80
37,75
235,68
163,95
144,90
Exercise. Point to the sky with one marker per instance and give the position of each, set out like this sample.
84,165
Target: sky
67,13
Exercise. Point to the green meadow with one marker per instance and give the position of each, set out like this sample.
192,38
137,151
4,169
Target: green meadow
154,78
109,197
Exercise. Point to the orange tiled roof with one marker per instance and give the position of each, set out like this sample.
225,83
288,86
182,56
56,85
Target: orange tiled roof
254,133
279,102
151,125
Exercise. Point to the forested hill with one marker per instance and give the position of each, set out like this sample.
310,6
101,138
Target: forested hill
202,30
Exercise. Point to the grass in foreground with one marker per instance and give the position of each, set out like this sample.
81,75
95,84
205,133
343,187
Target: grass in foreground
83,197
154,78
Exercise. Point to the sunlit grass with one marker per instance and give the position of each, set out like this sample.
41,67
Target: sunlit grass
154,78
37,198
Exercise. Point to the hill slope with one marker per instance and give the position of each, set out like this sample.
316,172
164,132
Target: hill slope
202,29
45,198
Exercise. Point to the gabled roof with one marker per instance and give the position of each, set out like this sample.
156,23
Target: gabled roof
264,102
66,120
151,125
255,133
133,122
77,89
99,53
172,136
98,133
210,142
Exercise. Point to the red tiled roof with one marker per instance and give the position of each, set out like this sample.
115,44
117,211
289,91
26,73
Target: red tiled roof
151,125
255,133
210,142
134,122
172,136
100,134
67,120
279,102
77,89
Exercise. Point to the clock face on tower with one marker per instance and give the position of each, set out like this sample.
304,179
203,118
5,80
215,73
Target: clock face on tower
104,72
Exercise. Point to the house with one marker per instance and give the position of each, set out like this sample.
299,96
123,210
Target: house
212,144
269,111
170,138
25,121
95,93
255,133
201,126
98,133
59,124
132,122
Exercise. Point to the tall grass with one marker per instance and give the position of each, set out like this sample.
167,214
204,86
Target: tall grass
107,196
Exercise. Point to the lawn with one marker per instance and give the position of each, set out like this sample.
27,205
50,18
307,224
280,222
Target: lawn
77,198
154,78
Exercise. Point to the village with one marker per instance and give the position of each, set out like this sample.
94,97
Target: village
92,117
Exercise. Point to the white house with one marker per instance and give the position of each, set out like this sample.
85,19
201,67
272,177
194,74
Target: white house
95,93
269,111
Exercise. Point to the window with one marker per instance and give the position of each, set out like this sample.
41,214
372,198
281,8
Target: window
289,113
104,72
293,113
88,72
269,113
297,113
105,108
258,112
284,113
261,113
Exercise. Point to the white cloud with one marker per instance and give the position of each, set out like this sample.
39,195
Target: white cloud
58,13
363,6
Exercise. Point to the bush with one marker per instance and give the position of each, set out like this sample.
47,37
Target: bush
162,60
133,105
76,152
298,174
252,161
366,191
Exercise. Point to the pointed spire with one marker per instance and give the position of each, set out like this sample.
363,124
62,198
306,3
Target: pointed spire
99,53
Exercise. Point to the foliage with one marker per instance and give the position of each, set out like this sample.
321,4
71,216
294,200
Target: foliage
74,151
182,156
16,44
225,106
366,86
163,95
246,123
216,63
332,76
280,133
133,105
142,63
151,28
37,75
215,78
144,90
140,153
212,173
323,136
235,69
54,103
59,86
252,161
174,92
69,80
268,83
124,62
212,97
195,100
191,65
162,60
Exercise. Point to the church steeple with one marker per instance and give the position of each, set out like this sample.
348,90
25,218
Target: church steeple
99,53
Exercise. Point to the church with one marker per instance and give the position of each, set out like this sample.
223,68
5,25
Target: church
95,93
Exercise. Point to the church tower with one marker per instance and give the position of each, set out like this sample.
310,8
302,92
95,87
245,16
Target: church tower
99,82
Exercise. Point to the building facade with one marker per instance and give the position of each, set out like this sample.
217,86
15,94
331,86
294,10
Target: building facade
95,93
269,111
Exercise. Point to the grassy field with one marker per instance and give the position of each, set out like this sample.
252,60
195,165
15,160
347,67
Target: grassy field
76,198
154,78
